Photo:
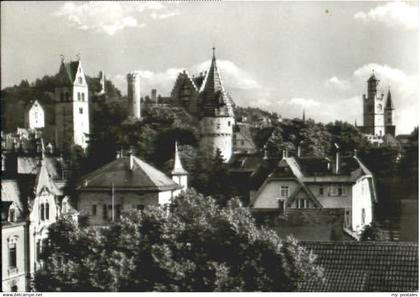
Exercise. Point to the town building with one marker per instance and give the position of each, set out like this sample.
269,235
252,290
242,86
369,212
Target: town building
34,116
295,185
378,113
124,184
72,124
206,98
14,234
242,139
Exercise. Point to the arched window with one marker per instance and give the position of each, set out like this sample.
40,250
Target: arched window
42,212
47,211
80,80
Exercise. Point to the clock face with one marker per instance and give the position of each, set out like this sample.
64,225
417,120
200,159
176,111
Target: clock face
379,108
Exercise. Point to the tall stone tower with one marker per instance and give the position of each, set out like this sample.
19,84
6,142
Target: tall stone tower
179,174
133,92
373,109
72,106
217,118
389,115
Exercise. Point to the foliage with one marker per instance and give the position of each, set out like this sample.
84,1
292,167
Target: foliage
193,246
371,232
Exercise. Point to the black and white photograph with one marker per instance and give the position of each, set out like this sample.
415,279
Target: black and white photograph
209,146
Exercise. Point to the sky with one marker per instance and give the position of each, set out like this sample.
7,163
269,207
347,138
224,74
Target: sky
279,56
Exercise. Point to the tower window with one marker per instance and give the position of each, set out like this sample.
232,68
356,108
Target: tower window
321,190
284,191
47,211
81,110
42,212
78,96
83,96
80,80
12,254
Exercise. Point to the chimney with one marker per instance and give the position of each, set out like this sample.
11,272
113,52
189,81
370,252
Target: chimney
337,159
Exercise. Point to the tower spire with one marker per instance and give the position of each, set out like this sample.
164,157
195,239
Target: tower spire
178,168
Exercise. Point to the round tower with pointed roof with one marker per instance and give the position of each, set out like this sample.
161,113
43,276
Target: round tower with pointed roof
217,117
179,174
389,115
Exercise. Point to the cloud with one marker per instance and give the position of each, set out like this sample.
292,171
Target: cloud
336,83
109,17
392,14
160,16
303,102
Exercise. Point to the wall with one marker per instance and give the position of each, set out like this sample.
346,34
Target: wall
38,229
270,191
16,276
362,198
216,133
327,201
127,200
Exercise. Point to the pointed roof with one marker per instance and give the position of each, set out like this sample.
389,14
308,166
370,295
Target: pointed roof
44,180
213,97
128,173
389,104
178,169
373,77
68,71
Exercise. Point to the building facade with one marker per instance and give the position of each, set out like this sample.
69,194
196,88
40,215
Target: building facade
316,183
34,116
72,125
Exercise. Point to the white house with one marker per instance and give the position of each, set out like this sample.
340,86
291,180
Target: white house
35,116
123,184
315,183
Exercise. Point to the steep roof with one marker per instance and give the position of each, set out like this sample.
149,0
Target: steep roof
365,266
372,78
213,97
67,72
178,169
10,191
389,104
44,180
130,173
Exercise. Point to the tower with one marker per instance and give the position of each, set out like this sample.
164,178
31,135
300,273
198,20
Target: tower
179,174
133,93
373,109
72,106
389,113
217,118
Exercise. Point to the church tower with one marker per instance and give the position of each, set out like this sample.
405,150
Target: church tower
72,106
373,109
217,118
389,115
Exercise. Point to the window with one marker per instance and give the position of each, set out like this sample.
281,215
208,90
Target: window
38,249
218,126
14,288
94,210
83,96
104,212
229,123
12,215
336,190
47,211
78,96
363,216
42,212
242,142
281,206
321,190
12,253
301,203
347,218
140,207
284,191
80,80
81,110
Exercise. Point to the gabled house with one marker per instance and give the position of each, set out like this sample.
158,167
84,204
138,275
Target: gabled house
34,116
123,184
303,184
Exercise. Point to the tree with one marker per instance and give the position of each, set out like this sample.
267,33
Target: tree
195,245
